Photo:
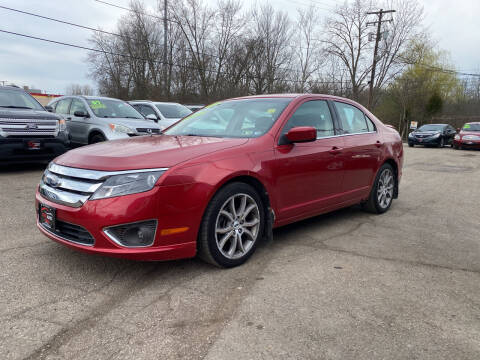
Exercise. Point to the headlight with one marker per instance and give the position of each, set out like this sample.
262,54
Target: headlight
457,137
121,129
410,135
436,135
62,125
125,184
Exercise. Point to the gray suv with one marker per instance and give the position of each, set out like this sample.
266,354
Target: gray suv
164,113
92,119
27,131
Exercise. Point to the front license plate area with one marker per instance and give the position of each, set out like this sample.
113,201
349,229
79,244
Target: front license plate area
47,216
33,145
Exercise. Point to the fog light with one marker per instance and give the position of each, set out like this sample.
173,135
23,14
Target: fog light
139,234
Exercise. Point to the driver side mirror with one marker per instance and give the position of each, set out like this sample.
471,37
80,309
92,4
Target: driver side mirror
302,134
80,113
152,117
48,108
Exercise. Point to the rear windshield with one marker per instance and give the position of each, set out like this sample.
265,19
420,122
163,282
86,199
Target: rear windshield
16,99
471,127
173,111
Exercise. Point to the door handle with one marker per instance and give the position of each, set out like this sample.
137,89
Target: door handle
378,144
335,150
69,118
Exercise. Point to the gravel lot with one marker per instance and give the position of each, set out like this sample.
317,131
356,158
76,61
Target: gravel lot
347,285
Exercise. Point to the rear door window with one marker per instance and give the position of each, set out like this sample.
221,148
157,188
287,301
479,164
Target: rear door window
352,119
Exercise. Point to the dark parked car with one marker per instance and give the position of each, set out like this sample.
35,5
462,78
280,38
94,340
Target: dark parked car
437,135
27,131
468,137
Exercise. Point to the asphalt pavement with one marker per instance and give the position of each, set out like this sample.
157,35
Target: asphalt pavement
346,285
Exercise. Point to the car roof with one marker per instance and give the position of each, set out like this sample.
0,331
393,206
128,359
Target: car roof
473,123
14,88
154,102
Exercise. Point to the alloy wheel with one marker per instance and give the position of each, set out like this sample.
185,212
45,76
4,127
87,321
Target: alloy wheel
385,188
237,226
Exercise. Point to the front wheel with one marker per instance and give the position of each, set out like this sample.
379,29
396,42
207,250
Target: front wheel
96,139
382,192
410,144
442,143
232,226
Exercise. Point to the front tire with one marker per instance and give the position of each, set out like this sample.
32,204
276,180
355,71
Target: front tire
381,195
232,226
96,139
442,143
410,144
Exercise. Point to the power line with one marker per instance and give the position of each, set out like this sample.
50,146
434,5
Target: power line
142,59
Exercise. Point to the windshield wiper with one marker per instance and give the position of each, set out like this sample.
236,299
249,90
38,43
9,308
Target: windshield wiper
15,107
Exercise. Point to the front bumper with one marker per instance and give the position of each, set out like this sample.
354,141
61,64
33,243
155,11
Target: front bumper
166,204
467,144
424,141
16,150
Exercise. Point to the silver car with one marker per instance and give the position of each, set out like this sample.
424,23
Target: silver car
164,113
91,119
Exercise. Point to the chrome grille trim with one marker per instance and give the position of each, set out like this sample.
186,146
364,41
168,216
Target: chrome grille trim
74,186
29,127
93,174
62,197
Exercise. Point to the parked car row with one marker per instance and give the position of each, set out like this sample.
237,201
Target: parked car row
30,132
439,135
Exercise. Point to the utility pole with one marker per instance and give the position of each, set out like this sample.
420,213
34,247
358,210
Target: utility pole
165,30
380,14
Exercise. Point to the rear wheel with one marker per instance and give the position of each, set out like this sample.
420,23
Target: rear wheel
96,139
382,192
232,226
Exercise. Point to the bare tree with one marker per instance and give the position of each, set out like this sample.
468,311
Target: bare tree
346,37
77,89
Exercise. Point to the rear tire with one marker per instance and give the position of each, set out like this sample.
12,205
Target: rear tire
232,226
96,139
383,189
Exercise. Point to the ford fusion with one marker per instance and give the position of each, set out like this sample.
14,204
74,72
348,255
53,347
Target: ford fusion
217,182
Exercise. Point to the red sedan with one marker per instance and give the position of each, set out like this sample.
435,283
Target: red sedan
468,137
217,182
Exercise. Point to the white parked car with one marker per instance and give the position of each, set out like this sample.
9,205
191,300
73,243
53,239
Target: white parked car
164,113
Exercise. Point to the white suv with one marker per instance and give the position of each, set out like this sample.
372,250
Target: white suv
164,113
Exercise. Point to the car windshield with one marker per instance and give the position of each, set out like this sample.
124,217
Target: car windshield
173,111
471,127
109,108
431,128
17,99
244,118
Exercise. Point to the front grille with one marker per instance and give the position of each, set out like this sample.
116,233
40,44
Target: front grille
28,127
73,233
148,131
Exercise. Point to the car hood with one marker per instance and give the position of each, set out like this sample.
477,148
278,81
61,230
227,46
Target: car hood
26,114
144,152
132,123
463,133
432,132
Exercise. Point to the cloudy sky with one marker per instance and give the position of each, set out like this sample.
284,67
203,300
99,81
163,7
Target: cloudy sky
454,25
